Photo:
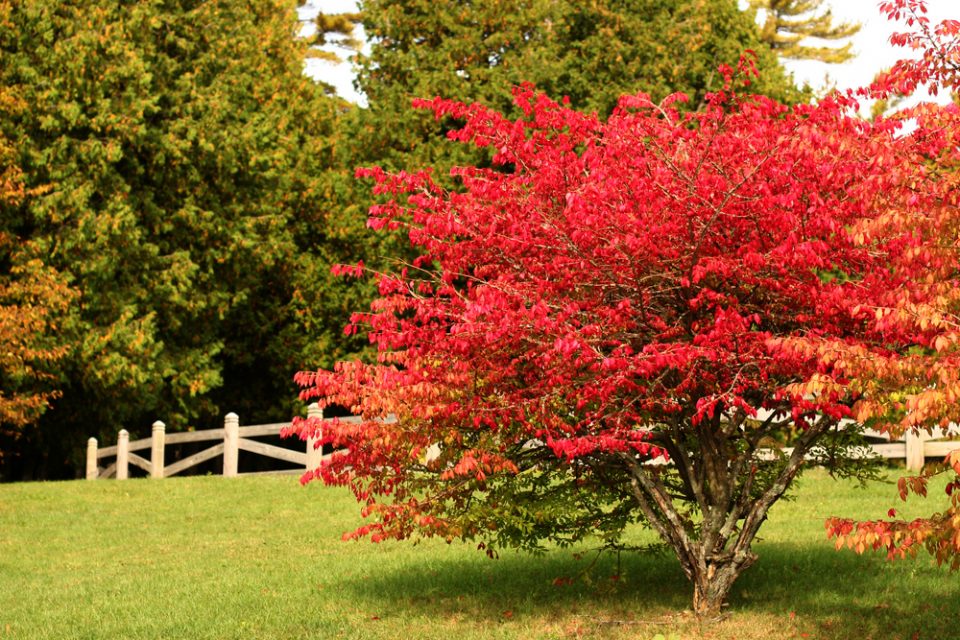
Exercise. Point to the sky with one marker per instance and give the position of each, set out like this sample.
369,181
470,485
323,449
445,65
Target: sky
339,75
871,44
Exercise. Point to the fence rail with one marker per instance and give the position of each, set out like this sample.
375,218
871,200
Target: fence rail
231,439
913,448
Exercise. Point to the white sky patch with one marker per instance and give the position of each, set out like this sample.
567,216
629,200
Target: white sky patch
871,46
339,75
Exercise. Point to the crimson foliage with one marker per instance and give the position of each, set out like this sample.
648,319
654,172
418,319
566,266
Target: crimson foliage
618,320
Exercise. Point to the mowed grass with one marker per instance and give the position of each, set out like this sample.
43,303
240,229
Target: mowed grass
261,557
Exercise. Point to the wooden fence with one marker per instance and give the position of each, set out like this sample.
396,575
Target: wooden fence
913,448
231,440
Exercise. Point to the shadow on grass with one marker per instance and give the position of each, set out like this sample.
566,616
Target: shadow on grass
834,594
846,595
520,583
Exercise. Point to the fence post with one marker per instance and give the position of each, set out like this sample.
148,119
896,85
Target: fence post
915,457
314,453
92,470
123,454
231,444
157,441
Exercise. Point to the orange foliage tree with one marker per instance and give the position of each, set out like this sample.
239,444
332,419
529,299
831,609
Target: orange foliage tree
32,296
916,387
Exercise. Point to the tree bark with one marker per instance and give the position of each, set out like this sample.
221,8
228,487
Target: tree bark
714,552
712,582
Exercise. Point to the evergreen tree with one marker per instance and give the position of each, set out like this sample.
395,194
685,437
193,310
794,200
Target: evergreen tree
591,52
788,23
178,174
335,29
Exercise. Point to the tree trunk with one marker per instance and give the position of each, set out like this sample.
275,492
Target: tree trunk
720,480
709,597
712,582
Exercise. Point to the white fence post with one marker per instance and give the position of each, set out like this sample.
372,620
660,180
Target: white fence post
231,444
314,453
157,438
123,454
915,456
92,470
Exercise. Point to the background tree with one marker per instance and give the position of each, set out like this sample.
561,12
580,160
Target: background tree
336,30
787,24
180,175
32,300
592,52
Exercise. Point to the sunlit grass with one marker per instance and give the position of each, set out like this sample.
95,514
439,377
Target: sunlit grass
262,557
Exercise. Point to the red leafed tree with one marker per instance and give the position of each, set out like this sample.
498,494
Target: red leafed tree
616,321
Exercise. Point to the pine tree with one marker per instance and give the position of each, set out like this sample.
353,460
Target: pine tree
788,23
333,29
331,36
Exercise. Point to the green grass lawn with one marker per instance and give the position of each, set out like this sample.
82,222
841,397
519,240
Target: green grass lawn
261,557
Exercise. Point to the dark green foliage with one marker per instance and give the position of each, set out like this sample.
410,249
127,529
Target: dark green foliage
592,52
188,195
